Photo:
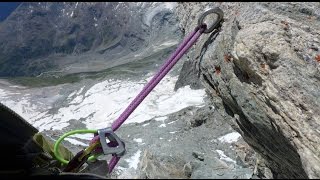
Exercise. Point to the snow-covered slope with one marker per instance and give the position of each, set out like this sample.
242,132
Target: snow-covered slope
97,106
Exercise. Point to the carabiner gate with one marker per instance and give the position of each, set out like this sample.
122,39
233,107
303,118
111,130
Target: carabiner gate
216,11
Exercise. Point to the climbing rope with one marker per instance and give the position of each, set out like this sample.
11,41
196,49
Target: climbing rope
116,146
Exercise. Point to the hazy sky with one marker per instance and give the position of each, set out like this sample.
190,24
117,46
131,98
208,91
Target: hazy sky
6,8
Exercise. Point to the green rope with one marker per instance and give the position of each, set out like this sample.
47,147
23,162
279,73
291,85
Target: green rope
94,157
58,142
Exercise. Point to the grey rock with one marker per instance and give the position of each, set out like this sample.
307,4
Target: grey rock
269,90
198,155
217,169
178,152
175,151
98,167
188,76
246,157
167,167
187,169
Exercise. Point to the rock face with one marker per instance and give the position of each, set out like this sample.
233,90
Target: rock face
194,142
263,72
43,36
188,144
188,76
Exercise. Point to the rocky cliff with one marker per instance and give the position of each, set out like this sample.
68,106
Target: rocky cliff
263,74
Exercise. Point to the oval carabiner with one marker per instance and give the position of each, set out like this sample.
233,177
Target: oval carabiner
216,11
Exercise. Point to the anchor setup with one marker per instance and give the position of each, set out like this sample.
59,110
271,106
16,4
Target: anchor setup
105,140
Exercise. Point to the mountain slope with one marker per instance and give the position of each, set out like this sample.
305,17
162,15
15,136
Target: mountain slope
38,37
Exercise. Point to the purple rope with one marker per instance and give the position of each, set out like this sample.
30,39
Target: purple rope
185,45
166,67
146,90
113,162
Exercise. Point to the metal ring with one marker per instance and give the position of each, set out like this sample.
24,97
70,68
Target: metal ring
216,11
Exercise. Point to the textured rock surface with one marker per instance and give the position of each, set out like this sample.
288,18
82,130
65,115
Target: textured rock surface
189,146
188,76
263,73
185,144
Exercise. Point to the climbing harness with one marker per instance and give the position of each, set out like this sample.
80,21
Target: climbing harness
115,146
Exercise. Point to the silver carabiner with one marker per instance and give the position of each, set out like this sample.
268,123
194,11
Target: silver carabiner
216,11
